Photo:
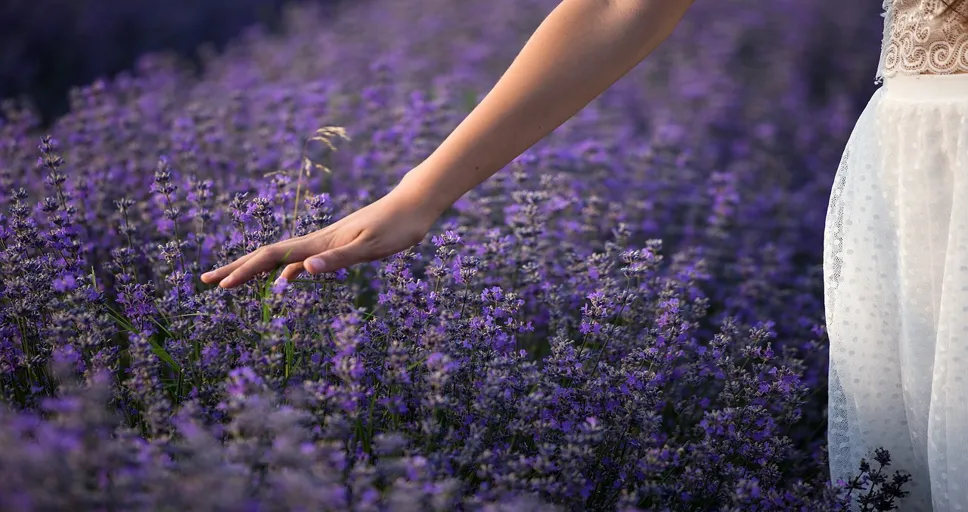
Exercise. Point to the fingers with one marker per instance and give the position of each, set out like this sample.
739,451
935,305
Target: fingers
292,271
333,260
299,254
264,259
221,272
340,257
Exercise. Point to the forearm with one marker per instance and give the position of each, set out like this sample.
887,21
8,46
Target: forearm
581,48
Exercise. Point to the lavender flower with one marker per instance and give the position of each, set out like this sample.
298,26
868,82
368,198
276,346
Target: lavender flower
628,318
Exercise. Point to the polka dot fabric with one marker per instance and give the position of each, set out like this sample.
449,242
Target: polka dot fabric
896,290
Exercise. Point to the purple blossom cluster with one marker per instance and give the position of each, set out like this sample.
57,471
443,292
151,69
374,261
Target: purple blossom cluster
629,317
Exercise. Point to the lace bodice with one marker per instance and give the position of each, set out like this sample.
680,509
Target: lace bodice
919,40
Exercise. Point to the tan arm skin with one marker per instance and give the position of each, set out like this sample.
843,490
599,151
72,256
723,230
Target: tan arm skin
581,49
578,51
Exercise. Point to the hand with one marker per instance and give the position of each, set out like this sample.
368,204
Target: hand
393,223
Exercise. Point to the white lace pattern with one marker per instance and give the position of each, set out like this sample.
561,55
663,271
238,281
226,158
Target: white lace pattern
919,39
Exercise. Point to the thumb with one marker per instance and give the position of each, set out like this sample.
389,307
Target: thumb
335,259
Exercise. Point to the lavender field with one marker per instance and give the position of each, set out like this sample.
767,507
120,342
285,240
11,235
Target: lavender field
628,317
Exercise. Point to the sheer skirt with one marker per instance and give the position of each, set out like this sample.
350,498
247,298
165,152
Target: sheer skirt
896,290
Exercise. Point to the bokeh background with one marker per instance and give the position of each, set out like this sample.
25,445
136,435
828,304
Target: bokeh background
48,46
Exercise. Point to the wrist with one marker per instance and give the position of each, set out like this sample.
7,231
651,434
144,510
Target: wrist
420,188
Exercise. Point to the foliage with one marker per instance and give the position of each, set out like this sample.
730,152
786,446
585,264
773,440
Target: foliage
628,317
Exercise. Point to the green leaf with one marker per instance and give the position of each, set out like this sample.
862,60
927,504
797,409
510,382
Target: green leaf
159,350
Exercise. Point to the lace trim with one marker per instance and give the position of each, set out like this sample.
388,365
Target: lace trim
918,39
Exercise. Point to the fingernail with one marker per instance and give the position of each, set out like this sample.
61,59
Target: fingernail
315,265
225,282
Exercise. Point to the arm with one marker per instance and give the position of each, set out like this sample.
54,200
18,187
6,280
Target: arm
581,48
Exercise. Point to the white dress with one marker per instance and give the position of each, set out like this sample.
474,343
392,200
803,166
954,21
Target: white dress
896,266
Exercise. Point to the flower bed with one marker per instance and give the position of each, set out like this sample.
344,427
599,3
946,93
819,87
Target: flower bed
628,317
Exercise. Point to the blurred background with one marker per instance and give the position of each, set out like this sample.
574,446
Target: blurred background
48,46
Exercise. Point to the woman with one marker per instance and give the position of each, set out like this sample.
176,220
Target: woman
896,238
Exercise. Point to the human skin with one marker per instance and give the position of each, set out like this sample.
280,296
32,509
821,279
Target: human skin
578,51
